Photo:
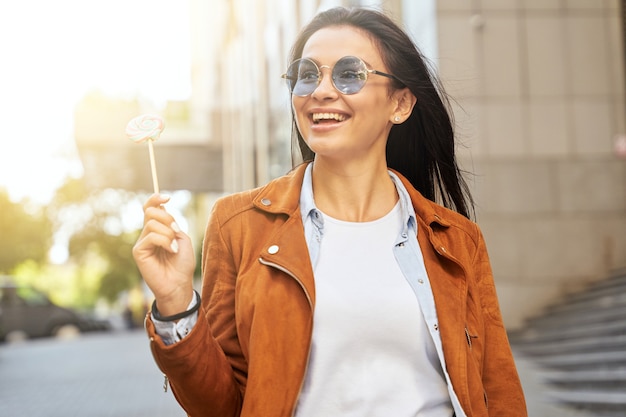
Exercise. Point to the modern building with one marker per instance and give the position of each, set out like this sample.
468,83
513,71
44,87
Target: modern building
539,107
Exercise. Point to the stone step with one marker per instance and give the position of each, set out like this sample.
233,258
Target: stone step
609,404
578,345
578,350
592,377
582,361
616,283
581,317
608,299
612,328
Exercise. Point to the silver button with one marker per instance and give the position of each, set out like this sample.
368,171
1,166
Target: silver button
443,249
421,281
266,202
272,250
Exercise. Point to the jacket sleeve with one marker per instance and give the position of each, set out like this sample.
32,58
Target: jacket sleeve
503,390
206,369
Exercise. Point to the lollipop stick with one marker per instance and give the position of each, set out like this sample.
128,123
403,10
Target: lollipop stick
155,181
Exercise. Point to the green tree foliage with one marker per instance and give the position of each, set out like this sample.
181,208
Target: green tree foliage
25,233
121,273
98,228
94,224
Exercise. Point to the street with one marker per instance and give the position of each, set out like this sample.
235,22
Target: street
113,375
94,375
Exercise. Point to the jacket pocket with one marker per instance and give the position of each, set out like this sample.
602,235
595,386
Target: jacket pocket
474,368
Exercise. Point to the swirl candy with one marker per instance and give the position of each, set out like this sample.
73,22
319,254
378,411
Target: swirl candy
145,127
148,128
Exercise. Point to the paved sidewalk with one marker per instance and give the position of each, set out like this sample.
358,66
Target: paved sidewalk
113,375
95,375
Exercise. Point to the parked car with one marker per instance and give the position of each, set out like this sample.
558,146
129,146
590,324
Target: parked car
28,313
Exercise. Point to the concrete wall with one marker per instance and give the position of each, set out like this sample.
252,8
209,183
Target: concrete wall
539,89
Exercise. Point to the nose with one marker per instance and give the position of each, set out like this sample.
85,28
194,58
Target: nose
325,89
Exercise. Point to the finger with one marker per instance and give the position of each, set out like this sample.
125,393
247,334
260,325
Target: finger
159,215
151,243
159,227
156,200
154,226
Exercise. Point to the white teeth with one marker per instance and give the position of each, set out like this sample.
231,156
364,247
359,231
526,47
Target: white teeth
328,116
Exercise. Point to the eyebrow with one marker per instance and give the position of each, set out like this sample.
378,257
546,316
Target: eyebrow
369,66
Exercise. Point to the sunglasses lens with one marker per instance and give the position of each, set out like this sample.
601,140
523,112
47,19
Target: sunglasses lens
349,75
302,77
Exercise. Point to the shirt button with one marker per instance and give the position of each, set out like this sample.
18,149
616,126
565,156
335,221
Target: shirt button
266,202
421,281
272,250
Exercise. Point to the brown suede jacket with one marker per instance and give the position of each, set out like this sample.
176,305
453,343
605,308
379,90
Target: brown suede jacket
247,355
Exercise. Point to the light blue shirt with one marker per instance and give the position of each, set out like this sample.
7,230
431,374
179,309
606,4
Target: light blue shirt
406,251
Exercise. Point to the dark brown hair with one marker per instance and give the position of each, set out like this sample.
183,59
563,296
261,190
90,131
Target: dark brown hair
423,147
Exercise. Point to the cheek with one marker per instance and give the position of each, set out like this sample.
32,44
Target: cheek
296,104
300,117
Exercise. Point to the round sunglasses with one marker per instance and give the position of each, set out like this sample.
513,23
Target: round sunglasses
349,75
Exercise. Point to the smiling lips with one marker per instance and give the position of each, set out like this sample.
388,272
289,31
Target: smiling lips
324,117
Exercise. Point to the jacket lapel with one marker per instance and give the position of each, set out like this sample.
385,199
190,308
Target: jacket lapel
287,248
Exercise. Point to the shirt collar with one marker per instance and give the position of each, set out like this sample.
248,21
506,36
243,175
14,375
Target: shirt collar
408,212
308,208
307,202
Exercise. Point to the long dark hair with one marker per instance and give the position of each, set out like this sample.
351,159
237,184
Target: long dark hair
423,147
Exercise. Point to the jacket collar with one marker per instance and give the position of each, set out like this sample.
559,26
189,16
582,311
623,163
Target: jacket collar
428,211
282,196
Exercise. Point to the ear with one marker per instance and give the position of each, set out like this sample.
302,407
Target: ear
404,103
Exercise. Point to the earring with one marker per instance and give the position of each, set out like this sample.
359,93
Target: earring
396,119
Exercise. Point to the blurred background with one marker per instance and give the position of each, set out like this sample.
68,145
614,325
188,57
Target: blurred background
539,105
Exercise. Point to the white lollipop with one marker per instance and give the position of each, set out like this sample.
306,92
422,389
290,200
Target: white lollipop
147,127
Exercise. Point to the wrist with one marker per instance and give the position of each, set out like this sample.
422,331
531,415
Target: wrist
174,302
188,310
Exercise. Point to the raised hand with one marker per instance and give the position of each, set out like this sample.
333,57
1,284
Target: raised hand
165,258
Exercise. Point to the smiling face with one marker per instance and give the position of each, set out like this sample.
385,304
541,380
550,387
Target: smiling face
338,126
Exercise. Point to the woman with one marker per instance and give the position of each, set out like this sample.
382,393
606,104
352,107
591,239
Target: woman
340,289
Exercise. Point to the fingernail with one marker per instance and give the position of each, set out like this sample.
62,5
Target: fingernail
164,197
175,227
174,246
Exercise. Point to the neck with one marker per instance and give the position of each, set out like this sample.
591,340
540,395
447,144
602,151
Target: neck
353,192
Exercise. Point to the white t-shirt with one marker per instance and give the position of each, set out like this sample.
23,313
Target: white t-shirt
371,355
